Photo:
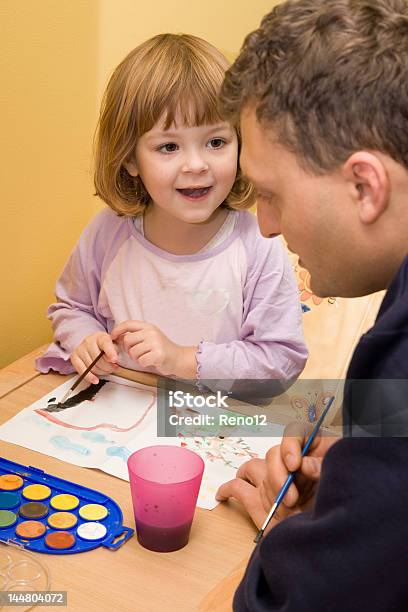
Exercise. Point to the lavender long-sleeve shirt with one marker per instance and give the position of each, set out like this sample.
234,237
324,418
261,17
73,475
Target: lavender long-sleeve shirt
238,302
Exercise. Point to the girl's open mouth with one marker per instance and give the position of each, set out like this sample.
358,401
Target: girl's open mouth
195,194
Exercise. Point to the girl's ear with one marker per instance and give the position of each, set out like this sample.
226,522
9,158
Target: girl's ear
130,166
369,185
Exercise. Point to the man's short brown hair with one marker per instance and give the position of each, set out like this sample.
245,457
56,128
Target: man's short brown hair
330,77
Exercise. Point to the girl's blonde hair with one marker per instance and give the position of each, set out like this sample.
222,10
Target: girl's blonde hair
171,75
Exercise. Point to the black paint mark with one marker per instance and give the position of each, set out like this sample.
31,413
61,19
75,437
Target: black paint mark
86,394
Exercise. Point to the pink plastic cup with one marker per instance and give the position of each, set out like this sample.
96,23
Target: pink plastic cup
164,481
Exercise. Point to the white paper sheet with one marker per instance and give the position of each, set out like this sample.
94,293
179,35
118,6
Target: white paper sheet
121,419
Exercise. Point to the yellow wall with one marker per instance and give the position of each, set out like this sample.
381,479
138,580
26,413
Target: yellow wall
48,51
126,23
57,56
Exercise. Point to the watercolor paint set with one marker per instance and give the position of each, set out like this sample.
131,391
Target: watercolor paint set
43,513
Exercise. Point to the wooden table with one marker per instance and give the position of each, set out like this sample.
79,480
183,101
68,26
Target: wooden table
132,578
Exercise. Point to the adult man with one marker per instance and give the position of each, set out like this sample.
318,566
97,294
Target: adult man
321,94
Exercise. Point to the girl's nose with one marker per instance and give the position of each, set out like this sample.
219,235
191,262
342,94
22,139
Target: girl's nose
195,162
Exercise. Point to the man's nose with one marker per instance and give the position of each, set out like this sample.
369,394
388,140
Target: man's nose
268,220
195,161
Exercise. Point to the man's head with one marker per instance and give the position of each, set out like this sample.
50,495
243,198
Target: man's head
321,93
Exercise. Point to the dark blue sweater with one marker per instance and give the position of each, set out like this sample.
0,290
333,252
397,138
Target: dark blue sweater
350,553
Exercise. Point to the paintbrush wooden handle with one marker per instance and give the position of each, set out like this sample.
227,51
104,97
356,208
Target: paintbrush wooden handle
88,369
80,378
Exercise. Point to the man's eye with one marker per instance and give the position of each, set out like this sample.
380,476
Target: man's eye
169,147
216,143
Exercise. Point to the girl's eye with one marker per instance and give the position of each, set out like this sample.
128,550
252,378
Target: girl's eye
169,147
217,143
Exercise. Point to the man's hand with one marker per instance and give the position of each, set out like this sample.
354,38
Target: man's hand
259,481
248,488
150,348
88,350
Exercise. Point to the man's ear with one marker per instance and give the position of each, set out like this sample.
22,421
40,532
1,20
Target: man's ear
369,184
131,167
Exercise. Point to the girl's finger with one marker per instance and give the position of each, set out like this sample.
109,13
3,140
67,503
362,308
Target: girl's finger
82,364
104,368
129,340
148,360
105,344
128,326
77,363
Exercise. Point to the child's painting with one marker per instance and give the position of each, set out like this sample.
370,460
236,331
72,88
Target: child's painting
101,425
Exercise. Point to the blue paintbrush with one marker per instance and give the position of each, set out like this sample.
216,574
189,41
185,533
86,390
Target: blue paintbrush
291,476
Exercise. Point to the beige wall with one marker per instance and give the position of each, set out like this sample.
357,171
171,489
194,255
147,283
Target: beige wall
56,57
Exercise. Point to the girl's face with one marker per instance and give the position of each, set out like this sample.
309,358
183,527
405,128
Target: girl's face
188,171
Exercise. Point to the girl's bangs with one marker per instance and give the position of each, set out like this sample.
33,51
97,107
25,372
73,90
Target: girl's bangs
192,106
186,93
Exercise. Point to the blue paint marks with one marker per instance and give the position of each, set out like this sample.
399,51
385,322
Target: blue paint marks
40,421
305,308
65,444
119,451
95,436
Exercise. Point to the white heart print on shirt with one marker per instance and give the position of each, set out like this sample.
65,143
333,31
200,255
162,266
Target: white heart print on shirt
208,302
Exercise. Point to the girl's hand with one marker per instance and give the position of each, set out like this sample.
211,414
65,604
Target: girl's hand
88,350
150,348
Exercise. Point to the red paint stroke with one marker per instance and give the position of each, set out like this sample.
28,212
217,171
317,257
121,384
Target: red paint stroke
110,426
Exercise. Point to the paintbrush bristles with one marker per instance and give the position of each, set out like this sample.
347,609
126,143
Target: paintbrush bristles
65,396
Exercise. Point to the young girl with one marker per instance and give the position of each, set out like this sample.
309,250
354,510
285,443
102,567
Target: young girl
174,278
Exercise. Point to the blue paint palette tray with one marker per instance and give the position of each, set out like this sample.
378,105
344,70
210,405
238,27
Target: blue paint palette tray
43,513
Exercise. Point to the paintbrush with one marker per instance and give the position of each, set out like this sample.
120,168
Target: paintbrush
80,378
291,476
